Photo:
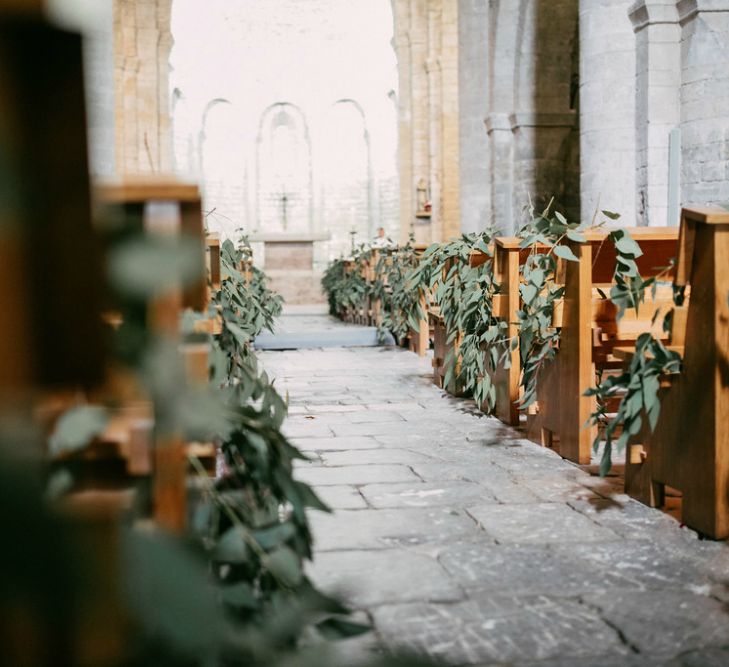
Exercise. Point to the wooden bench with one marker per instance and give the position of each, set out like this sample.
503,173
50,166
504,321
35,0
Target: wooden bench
589,332
689,448
133,197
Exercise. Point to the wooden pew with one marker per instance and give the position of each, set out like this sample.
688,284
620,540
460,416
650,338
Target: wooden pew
689,449
50,259
133,196
589,333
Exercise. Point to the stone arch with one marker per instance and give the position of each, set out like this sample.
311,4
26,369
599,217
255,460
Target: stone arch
183,144
347,174
284,180
222,167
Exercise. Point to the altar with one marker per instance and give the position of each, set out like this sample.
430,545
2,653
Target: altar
289,260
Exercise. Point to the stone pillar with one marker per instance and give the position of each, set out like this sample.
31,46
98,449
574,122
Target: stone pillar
704,100
657,105
142,45
401,44
420,111
607,109
473,104
540,140
450,207
501,139
435,119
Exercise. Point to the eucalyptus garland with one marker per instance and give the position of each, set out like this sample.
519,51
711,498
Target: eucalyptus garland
401,297
464,295
538,338
345,283
253,518
639,385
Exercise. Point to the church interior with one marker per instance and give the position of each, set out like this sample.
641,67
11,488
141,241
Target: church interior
369,333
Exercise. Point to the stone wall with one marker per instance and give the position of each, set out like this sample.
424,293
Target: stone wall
704,100
499,101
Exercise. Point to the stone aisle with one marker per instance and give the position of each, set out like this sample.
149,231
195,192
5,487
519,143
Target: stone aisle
458,538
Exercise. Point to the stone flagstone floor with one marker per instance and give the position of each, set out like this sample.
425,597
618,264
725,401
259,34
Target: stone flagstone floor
460,539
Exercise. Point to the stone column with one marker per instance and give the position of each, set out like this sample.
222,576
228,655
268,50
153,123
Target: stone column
449,137
473,104
420,111
704,100
401,44
143,41
501,139
607,109
435,119
657,105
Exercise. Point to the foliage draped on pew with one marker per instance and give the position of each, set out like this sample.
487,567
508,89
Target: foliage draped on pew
591,330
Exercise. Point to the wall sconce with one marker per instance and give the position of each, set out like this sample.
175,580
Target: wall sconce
422,200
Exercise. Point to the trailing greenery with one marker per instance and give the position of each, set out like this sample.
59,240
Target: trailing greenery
251,522
400,296
345,285
245,308
548,236
639,385
464,295
253,519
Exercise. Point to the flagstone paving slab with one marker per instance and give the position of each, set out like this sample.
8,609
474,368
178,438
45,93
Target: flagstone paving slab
463,540
387,528
382,455
500,628
390,576
356,474
424,494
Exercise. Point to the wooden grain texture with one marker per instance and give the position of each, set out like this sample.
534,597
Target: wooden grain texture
590,331
135,189
506,380
212,244
575,358
689,449
52,257
21,8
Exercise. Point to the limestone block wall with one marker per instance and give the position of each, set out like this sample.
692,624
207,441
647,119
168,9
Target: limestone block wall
473,91
607,109
704,100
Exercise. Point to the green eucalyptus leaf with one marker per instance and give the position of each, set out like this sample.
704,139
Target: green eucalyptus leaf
77,427
565,252
285,565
